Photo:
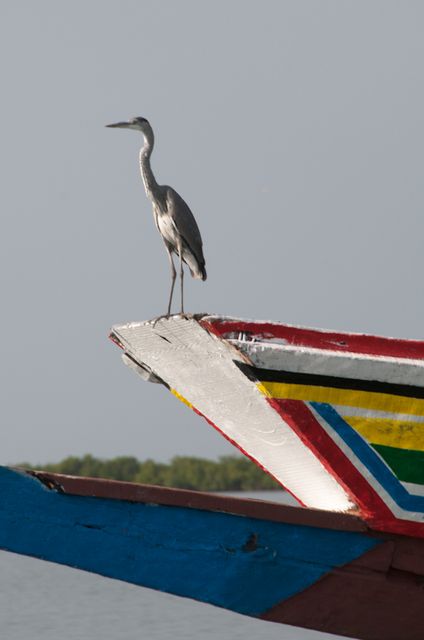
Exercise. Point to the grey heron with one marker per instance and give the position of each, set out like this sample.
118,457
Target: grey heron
174,220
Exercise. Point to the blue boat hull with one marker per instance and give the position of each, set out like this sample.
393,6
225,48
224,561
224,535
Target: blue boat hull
184,543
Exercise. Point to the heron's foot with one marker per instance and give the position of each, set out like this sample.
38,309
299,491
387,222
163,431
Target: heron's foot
165,316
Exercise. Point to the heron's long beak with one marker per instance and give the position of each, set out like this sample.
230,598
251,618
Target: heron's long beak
120,125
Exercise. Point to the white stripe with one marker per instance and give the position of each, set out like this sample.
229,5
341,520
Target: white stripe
358,412
322,362
414,489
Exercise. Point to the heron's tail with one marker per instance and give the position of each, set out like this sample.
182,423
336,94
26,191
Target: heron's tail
196,266
199,272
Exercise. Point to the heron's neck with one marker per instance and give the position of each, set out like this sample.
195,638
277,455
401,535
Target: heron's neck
149,179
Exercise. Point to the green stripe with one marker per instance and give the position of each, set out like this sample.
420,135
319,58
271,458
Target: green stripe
406,464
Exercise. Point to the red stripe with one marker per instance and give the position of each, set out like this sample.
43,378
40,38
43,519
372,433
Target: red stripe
372,507
307,427
329,340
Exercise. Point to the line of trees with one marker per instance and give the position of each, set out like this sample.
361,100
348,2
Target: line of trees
228,473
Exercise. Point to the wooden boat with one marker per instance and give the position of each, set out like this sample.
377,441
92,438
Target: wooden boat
335,418
304,567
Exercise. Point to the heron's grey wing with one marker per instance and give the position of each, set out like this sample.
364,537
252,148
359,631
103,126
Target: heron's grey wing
185,223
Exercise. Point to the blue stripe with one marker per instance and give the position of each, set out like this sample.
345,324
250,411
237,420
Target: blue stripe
370,459
188,552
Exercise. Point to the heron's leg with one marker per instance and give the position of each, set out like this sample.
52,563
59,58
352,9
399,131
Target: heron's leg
173,276
180,251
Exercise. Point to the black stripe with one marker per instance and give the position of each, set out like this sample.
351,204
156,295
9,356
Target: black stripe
314,380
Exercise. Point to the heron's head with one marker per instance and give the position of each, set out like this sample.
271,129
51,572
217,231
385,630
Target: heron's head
139,124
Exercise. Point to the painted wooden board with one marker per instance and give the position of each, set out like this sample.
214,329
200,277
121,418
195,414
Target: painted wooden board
314,569
337,419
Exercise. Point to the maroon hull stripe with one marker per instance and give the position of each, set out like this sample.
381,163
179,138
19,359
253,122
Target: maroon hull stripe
366,599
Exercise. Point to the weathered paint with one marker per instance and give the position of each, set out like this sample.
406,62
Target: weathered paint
309,568
345,397
402,434
202,369
240,563
321,339
355,402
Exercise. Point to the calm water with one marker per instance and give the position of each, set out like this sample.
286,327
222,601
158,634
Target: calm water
42,601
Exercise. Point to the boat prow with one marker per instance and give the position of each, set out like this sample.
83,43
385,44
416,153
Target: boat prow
336,418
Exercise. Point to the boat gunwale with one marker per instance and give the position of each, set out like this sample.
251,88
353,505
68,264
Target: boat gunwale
170,496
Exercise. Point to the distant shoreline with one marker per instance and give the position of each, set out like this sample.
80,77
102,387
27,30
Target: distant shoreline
228,473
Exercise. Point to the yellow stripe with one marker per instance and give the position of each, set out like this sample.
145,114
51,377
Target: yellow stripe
180,397
262,388
347,397
390,433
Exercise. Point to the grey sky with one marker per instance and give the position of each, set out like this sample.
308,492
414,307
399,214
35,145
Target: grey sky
293,129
